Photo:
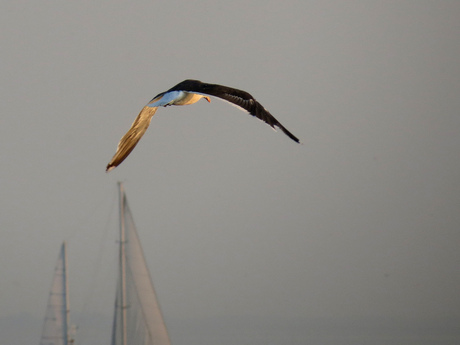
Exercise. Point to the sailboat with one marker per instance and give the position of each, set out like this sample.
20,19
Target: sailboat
137,317
56,330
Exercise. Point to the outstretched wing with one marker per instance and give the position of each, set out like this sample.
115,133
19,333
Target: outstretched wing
240,98
132,137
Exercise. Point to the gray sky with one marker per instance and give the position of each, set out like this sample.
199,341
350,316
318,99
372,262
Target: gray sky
351,238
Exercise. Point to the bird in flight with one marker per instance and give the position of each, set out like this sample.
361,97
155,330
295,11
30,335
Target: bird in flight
188,92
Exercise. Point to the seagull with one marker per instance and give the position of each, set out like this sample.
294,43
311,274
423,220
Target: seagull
188,92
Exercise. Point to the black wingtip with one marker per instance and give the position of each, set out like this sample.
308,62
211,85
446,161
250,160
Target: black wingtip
289,134
292,136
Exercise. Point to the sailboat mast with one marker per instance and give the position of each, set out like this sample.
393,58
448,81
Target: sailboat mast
66,297
56,325
123,266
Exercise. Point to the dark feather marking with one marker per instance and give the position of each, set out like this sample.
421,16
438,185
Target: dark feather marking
238,97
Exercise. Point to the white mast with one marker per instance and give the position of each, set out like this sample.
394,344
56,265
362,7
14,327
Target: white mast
66,297
137,317
123,266
56,325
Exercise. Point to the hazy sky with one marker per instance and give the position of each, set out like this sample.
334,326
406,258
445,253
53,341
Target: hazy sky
351,238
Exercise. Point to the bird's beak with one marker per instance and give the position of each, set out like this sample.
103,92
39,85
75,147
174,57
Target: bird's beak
208,99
